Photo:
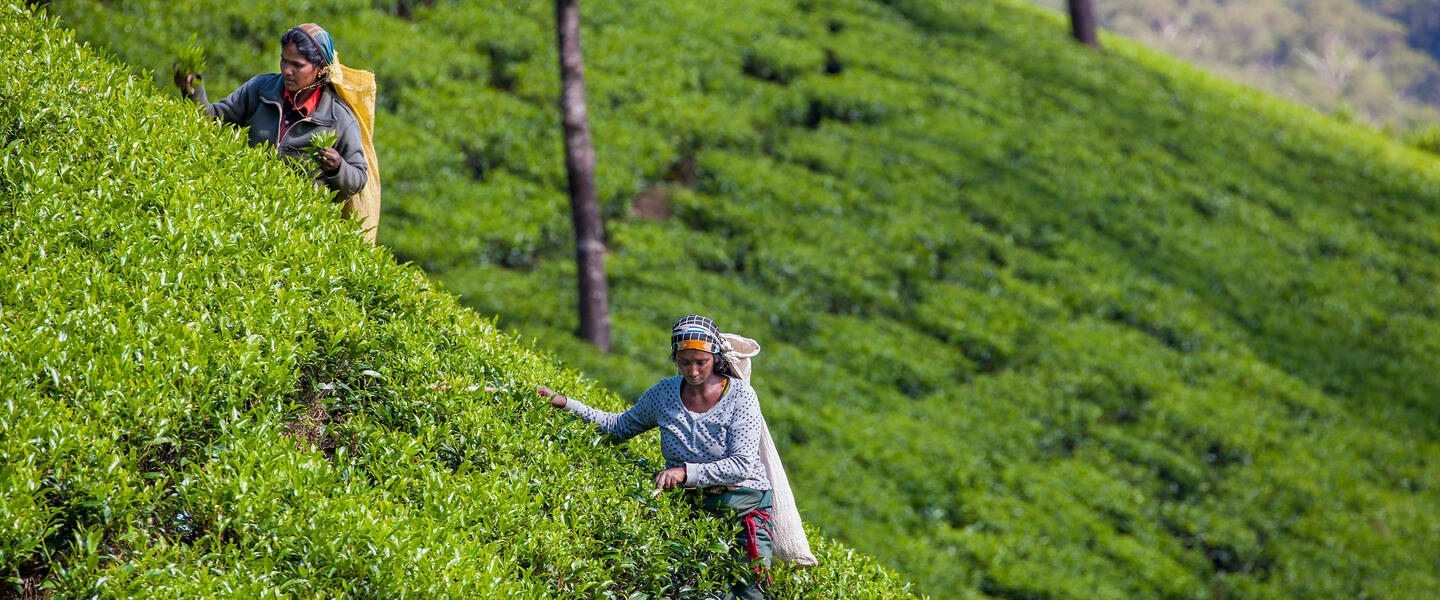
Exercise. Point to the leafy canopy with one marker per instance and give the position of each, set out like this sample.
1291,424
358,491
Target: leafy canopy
211,387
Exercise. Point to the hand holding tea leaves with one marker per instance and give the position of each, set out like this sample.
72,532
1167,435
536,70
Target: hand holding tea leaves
189,64
322,150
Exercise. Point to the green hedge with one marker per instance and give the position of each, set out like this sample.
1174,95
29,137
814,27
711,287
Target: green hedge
212,387
1039,322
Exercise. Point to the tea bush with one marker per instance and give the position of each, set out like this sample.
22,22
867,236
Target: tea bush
212,387
1039,322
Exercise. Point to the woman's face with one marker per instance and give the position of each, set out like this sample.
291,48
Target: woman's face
295,71
695,365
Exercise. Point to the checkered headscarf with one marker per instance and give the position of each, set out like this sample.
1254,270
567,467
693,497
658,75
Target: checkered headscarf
700,333
696,333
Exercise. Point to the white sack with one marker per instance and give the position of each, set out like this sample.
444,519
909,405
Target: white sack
791,545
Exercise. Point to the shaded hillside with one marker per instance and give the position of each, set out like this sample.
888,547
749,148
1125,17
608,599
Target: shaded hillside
1376,60
211,387
1038,322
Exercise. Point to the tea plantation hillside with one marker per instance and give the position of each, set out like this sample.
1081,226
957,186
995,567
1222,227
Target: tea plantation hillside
211,387
1039,322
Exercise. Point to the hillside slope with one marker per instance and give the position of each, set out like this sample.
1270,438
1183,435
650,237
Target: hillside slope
211,387
1038,322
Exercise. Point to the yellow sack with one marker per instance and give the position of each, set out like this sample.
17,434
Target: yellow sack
357,88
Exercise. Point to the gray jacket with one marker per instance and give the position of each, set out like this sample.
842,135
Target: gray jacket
257,105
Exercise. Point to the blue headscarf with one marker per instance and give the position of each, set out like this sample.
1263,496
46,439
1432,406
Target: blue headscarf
322,41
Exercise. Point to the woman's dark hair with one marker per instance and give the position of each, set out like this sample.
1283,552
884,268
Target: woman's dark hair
305,45
722,366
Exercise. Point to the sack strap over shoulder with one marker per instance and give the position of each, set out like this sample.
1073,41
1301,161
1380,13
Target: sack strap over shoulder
788,533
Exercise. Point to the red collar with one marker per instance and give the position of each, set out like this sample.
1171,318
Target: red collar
304,108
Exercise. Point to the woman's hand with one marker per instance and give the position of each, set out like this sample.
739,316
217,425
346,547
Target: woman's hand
670,478
556,400
185,81
329,159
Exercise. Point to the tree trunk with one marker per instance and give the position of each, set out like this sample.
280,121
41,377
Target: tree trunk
1082,22
580,166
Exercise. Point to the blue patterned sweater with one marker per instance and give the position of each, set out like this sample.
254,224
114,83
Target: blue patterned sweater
718,447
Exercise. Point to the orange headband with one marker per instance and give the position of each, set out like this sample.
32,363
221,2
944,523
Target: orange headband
693,345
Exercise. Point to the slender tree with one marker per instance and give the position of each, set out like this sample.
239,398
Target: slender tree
580,166
1082,22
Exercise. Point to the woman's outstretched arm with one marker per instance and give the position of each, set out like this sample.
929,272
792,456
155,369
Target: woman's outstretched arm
639,419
